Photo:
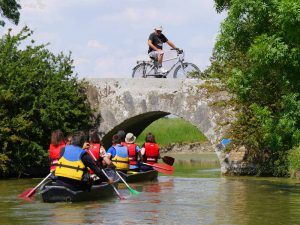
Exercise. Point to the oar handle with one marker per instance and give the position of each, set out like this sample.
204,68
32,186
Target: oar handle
157,166
91,154
122,179
130,189
118,193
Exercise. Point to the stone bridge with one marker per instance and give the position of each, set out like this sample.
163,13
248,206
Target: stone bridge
133,104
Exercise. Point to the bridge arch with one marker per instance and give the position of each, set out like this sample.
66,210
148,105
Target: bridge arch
133,104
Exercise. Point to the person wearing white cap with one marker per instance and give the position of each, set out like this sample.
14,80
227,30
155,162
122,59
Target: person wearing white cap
133,151
155,43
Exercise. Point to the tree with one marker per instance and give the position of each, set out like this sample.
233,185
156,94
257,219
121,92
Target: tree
38,94
10,10
258,50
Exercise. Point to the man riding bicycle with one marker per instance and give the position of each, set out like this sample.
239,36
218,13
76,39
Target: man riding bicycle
155,42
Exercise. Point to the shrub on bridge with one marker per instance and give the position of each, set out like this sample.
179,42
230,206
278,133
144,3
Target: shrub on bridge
38,94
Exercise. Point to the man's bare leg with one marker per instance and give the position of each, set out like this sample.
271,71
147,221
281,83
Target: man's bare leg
160,59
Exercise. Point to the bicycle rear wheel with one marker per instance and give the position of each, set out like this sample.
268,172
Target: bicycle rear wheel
188,70
142,70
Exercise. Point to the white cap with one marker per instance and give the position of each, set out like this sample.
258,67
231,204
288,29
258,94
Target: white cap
158,28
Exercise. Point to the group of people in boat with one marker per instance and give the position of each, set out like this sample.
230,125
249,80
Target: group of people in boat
77,161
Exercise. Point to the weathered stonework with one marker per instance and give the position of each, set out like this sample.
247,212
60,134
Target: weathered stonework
235,162
133,104
197,147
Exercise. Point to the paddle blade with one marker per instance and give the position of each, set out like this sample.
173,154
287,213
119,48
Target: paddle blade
167,172
134,192
163,168
130,189
168,160
27,193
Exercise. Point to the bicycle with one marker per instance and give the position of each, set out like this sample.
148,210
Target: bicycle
146,69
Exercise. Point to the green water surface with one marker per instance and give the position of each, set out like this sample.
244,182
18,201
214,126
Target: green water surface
195,194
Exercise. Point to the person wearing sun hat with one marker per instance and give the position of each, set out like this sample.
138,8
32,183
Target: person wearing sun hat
155,43
133,151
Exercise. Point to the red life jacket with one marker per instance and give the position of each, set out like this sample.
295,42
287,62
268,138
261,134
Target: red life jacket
131,153
95,149
54,152
151,153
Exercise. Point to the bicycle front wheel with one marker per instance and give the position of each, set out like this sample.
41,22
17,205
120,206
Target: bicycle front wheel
186,70
141,70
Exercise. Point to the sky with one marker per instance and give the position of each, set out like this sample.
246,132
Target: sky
107,37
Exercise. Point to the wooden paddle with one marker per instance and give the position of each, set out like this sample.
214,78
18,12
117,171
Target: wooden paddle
163,168
118,193
130,189
168,160
31,191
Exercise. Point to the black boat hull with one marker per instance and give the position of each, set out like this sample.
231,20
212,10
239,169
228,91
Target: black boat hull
150,175
51,192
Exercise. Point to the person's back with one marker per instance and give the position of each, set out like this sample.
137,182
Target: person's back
94,146
57,142
72,168
149,152
70,164
133,151
119,154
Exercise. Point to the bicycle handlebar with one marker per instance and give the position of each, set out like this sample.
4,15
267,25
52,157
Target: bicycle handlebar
179,51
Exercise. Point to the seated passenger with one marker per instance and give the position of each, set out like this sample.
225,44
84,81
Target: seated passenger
118,154
96,149
57,142
149,152
133,151
72,167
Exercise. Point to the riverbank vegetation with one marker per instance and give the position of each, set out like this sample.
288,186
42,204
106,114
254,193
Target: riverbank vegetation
172,130
38,94
257,55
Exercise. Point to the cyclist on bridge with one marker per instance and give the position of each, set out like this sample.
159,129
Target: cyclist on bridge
155,42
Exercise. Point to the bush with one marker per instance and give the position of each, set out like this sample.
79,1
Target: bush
257,55
38,94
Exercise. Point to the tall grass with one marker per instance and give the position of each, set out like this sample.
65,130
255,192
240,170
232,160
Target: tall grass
172,130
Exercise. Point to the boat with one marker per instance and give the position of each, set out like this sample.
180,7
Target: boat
52,192
133,176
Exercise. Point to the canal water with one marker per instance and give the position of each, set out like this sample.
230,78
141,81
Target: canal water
195,194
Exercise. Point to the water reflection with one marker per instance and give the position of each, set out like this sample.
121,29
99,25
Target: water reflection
196,194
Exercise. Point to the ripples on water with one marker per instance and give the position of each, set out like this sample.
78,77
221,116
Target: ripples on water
196,194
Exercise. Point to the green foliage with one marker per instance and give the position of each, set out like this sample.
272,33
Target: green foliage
4,160
222,5
172,130
294,161
195,74
38,94
10,10
258,56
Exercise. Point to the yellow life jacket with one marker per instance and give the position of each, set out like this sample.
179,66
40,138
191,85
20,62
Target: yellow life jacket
121,159
70,164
